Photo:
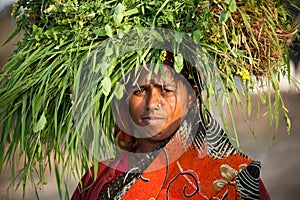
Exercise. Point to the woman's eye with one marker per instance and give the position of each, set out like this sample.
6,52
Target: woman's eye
139,91
167,90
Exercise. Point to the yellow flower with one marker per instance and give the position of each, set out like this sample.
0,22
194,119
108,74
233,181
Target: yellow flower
244,74
163,55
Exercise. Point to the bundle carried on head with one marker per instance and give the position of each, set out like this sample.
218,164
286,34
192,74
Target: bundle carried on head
247,39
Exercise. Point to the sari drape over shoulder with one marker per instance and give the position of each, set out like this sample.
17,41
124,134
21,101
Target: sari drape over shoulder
206,166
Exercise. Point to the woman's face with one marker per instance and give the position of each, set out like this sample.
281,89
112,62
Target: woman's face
158,103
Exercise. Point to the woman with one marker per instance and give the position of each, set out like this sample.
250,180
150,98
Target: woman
174,148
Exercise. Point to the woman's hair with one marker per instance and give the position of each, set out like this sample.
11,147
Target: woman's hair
188,71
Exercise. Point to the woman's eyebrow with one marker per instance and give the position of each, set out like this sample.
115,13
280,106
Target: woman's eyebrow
169,85
164,84
139,86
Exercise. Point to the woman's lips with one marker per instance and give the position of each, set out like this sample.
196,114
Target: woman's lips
153,119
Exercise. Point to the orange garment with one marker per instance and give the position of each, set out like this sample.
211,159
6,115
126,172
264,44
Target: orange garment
91,188
192,173
201,178
183,169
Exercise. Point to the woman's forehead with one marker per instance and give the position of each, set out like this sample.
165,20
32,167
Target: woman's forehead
164,76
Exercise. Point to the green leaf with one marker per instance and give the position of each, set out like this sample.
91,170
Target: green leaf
50,8
131,12
108,51
40,125
224,16
100,32
104,67
118,14
12,36
197,35
108,30
178,64
178,37
119,91
232,6
106,84
286,119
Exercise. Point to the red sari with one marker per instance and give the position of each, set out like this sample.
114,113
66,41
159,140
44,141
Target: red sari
203,178
209,168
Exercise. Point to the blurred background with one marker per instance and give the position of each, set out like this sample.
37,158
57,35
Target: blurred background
280,160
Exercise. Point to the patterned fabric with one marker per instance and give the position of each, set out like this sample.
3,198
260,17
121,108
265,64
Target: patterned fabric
248,181
209,167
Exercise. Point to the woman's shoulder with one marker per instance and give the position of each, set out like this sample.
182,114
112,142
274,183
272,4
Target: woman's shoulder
97,176
109,164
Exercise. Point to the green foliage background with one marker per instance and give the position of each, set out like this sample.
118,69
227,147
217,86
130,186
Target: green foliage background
247,39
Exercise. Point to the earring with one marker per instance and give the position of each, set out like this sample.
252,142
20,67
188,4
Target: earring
125,141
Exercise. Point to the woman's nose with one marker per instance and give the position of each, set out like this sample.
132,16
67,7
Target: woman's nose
154,99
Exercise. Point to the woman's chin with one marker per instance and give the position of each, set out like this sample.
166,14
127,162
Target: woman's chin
155,136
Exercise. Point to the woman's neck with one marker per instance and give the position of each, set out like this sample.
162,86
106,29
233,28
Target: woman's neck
145,145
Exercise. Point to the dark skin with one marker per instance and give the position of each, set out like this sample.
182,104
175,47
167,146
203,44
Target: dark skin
157,105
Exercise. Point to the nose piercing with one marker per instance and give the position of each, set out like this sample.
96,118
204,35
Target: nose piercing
159,105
